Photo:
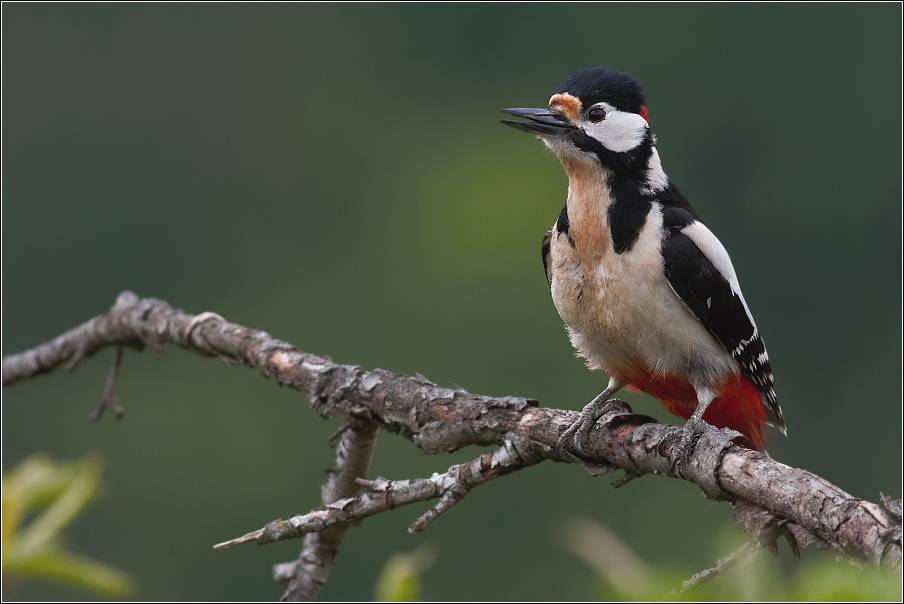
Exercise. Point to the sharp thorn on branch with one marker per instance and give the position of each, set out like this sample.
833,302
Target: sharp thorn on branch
253,536
792,543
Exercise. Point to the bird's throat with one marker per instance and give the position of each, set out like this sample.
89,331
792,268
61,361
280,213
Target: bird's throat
589,198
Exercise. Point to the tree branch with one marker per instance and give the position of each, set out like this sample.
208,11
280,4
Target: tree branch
770,498
320,549
382,495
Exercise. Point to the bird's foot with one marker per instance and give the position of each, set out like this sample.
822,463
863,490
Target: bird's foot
680,443
589,416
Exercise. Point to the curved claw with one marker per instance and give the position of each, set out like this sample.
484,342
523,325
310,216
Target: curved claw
583,431
682,443
581,428
591,412
561,453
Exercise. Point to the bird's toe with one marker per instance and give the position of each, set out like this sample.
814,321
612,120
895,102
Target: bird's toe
682,442
589,416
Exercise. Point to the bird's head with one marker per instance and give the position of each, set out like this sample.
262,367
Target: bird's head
597,114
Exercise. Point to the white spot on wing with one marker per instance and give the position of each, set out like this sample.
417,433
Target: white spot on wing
744,343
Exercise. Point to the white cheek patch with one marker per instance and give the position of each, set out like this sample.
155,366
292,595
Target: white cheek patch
620,131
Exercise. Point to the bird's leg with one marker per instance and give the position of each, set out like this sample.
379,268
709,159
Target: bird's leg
682,442
592,412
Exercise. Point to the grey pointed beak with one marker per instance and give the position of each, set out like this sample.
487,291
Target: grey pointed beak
541,121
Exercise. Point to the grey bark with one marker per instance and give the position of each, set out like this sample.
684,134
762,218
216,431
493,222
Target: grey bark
318,554
770,498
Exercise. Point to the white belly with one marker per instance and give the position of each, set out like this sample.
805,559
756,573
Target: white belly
622,314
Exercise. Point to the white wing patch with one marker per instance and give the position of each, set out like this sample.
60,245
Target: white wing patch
713,249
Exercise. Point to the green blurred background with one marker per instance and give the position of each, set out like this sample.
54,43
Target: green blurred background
336,176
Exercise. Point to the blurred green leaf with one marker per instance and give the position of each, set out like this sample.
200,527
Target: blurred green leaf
625,576
832,581
400,579
75,569
32,549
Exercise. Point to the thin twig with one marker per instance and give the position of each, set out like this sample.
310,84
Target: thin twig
383,495
719,568
439,419
108,399
246,538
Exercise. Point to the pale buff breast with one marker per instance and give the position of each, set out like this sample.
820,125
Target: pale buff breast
619,308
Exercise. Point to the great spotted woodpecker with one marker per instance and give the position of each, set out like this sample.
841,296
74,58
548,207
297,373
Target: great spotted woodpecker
647,292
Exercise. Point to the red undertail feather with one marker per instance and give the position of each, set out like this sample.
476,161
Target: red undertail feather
738,406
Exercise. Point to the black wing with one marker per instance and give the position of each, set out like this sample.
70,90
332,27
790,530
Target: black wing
709,295
562,225
547,242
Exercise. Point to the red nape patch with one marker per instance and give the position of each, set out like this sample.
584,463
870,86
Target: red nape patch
738,406
644,114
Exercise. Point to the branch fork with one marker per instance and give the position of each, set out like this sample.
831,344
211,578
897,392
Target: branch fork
381,495
770,499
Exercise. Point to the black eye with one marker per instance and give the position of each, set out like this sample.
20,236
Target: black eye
596,114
